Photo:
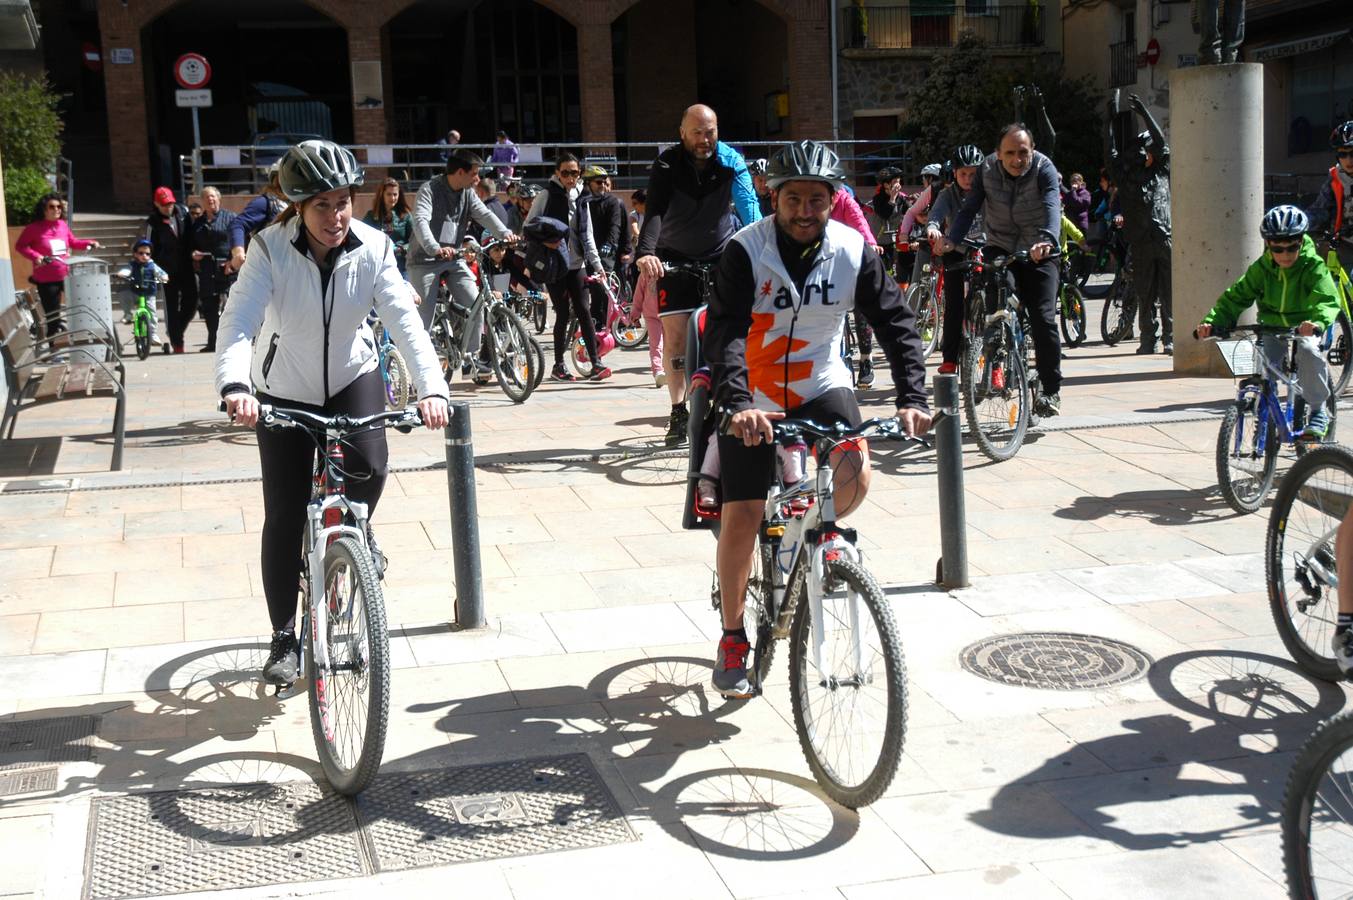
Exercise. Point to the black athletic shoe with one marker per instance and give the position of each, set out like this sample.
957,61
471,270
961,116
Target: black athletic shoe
284,659
676,425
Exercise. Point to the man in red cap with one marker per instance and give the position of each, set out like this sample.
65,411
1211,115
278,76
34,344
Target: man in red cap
167,230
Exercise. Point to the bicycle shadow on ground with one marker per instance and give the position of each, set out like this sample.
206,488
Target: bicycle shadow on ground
635,461
1217,769
189,433
1164,507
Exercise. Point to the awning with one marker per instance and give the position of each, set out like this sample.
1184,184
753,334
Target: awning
18,27
1294,48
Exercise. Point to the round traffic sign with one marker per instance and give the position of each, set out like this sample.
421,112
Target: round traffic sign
191,70
1152,52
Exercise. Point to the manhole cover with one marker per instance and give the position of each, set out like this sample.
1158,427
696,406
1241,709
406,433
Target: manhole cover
1065,662
231,836
482,812
27,781
61,739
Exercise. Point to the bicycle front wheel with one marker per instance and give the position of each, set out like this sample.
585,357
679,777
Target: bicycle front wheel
850,699
142,346
540,362
1300,560
350,696
1337,355
513,360
1244,469
1318,813
628,334
921,299
996,395
1115,321
398,383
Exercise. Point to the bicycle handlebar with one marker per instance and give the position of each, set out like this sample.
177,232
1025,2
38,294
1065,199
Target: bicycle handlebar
694,269
402,420
1277,330
788,430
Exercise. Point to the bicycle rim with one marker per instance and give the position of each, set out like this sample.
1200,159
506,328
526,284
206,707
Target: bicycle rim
514,362
851,714
1317,814
1073,317
1300,557
628,334
1340,348
350,697
399,384
1244,472
996,396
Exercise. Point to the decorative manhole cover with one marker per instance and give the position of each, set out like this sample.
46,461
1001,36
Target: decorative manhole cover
27,781
60,739
1055,660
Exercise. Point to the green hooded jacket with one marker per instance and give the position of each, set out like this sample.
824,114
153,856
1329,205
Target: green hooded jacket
1286,297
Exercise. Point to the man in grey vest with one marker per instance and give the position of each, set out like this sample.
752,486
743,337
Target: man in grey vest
441,218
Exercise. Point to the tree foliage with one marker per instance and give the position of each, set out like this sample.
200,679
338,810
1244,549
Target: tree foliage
967,98
24,187
30,128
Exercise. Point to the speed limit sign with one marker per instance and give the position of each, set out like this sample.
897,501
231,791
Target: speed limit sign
191,70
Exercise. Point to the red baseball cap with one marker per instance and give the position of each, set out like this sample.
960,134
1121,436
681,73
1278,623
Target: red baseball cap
164,195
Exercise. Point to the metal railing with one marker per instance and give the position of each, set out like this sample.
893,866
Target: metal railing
1300,188
1123,64
939,23
244,169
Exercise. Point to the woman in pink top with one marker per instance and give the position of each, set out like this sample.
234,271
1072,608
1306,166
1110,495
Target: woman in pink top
47,241
847,211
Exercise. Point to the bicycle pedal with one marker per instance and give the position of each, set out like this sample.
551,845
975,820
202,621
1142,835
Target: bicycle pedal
287,691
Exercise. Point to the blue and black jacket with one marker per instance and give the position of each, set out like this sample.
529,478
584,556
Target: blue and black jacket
691,214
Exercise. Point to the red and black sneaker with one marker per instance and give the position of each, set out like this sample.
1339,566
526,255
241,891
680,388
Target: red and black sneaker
730,666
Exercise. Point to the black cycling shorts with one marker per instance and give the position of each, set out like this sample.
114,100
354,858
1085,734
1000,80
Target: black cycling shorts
745,472
679,294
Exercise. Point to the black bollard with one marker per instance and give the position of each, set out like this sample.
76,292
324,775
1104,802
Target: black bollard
464,518
953,568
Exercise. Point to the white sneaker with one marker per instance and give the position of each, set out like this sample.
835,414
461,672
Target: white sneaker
659,379
156,340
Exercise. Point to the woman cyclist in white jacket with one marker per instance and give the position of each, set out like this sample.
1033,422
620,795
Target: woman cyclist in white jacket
304,293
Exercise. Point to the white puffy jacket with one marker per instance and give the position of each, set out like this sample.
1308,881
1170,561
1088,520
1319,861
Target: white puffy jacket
311,346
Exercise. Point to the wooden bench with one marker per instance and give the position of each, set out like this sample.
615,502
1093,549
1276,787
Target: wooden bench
66,367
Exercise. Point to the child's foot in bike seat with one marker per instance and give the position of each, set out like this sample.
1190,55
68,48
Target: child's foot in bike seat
707,495
1343,651
561,374
283,659
948,368
377,557
730,666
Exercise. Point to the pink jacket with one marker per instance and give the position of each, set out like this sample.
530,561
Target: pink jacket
846,211
49,238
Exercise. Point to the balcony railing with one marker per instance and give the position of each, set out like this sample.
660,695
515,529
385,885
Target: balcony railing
1123,64
938,23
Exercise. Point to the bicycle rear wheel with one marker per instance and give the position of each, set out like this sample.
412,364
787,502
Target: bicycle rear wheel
1072,315
996,395
1115,321
1244,471
1317,814
629,334
350,697
540,362
398,383
921,299
851,714
513,360
539,310
1337,355
1299,561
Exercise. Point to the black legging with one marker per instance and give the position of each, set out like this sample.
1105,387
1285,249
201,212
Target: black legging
49,292
180,303
951,336
569,292
287,457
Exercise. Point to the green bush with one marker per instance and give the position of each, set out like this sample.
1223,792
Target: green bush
30,129
24,187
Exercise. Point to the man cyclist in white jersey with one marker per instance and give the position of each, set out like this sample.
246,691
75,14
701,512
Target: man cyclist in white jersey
781,293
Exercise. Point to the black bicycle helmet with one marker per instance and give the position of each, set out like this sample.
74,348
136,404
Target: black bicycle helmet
887,173
315,167
528,191
756,167
1342,136
1284,222
968,155
805,161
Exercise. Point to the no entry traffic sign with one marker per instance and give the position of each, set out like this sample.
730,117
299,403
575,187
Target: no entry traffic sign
192,71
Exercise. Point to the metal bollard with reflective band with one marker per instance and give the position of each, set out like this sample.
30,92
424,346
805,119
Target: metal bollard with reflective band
953,567
464,518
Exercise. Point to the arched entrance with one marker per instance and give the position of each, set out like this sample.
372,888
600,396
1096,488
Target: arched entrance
730,54
479,66
278,66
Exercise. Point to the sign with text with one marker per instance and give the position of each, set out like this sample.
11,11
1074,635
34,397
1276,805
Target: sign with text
200,98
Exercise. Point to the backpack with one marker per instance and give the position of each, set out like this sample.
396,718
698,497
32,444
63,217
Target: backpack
545,263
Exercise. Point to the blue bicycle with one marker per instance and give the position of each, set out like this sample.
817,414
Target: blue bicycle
394,370
1259,423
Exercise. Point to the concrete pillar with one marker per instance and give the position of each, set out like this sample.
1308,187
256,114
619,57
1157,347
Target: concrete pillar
1217,195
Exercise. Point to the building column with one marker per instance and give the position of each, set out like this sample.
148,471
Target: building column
128,127
596,82
810,70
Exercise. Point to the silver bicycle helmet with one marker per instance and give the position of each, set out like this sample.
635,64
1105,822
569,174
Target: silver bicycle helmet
934,170
1342,136
968,155
756,167
315,167
1284,222
805,161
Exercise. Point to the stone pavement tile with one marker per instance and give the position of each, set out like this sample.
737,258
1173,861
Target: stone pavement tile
1134,736
540,593
620,523
144,555
1029,554
424,507
522,733
1182,620
1016,823
17,634
21,595
1022,522
621,627
1238,572
196,762
1264,851
667,849
649,784
1156,484
1146,545
184,523
652,584
1248,613
92,629
206,496
1240,534
26,840
995,882
1137,583
998,751
609,495
810,846
554,557
538,681
97,503
751,753
517,529
1028,493
695,719
1264,776
192,583
52,675
1200,870
669,549
1000,595
26,506
528,501
28,562
45,532
513,634
170,667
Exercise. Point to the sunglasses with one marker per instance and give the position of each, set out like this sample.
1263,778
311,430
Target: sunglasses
1285,248
1344,154
570,173
53,205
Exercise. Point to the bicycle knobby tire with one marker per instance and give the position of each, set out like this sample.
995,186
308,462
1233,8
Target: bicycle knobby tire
1242,498
1330,740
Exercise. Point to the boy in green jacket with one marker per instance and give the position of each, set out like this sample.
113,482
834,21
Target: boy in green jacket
1294,289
